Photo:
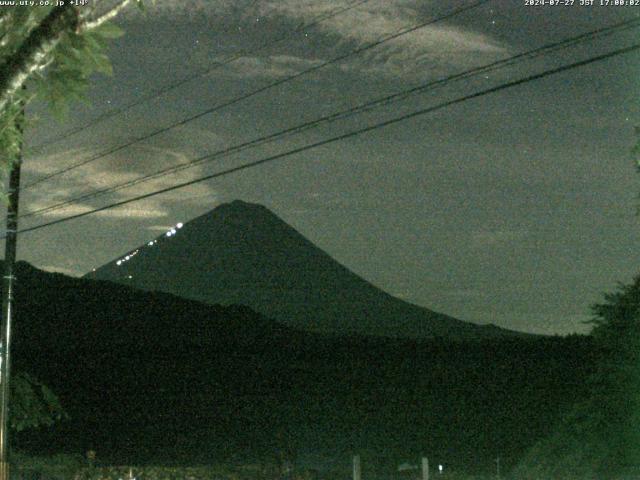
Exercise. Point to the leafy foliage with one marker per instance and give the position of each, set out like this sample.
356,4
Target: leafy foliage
51,467
73,62
600,437
60,78
10,135
33,403
59,75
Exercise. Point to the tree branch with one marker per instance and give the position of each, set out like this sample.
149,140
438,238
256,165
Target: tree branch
4,39
5,17
34,51
90,24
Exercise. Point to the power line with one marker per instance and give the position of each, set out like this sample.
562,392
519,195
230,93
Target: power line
189,78
252,93
383,101
215,108
344,136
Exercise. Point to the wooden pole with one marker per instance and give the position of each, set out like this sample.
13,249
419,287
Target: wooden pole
357,468
425,468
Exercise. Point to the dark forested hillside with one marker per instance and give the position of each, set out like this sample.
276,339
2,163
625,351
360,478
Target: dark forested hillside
149,377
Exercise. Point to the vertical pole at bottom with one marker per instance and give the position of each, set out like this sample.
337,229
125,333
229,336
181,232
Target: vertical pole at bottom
7,305
357,468
425,468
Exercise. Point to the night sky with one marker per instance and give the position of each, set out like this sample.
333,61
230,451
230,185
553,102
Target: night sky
516,208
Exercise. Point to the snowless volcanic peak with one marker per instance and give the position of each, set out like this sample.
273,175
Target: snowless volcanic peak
242,253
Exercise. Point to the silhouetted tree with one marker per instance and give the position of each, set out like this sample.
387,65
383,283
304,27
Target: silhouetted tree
55,49
33,404
600,437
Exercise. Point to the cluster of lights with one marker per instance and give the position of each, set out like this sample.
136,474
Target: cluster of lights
151,243
127,257
173,230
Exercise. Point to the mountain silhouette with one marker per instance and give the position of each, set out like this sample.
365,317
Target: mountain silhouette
151,378
242,253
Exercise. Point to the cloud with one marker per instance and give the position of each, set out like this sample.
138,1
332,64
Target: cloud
170,9
159,228
438,45
120,168
274,66
429,50
118,212
56,269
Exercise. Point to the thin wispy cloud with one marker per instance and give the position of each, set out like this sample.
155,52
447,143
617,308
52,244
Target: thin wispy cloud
439,46
118,213
57,269
123,167
274,66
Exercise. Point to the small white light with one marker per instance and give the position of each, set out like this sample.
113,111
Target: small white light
168,234
150,244
127,257
173,231
439,466
119,262
129,276
179,225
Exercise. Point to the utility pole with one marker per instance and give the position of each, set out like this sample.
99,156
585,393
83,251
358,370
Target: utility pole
425,468
357,468
7,300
